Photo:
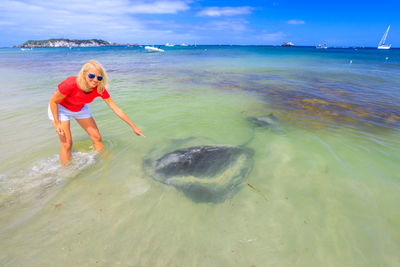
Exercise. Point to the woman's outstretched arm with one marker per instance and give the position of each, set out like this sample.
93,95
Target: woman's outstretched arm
120,113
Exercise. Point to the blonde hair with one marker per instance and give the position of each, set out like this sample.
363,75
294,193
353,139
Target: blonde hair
81,81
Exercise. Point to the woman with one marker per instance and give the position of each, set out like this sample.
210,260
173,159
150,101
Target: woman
70,100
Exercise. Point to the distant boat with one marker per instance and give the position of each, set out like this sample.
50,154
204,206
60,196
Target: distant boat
381,44
153,49
321,46
287,44
169,45
26,49
183,44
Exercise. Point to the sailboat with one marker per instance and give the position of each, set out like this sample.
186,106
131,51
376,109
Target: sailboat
153,49
383,40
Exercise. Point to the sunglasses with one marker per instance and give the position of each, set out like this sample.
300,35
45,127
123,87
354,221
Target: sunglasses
91,76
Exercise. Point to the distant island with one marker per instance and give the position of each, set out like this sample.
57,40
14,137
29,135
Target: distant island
69,43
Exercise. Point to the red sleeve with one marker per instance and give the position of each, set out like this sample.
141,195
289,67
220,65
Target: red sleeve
67,86
105,94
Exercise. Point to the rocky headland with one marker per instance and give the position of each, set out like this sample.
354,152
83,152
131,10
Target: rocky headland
67,43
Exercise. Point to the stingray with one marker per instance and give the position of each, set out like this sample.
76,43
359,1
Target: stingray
206,173
270,122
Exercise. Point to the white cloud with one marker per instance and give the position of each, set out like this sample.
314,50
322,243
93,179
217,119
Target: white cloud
110,20
227,25
159,7
224,11
296,22
102,6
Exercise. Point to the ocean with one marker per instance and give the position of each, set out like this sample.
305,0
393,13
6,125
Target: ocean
323,188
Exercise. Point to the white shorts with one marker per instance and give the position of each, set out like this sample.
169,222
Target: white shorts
66,114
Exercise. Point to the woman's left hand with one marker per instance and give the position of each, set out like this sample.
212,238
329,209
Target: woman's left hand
137,131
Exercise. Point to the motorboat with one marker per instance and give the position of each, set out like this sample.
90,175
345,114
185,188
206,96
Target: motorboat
321,46
153,49
169,45
287,44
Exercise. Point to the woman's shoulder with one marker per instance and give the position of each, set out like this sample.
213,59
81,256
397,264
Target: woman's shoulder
68,84
71,79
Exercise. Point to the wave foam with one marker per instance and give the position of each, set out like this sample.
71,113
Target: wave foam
23,193
43,175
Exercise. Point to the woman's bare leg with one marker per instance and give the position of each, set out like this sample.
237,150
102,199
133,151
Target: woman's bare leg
89,125
65,142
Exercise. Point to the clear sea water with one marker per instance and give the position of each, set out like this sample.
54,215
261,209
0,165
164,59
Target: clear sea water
324,189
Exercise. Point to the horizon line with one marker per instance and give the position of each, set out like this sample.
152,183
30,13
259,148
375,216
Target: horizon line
136,45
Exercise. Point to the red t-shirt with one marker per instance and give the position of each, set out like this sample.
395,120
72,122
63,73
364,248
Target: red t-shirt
75,98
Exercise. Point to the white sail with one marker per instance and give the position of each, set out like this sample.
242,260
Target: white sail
381,44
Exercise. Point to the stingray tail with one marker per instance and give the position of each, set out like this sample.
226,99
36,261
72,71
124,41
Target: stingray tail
251,138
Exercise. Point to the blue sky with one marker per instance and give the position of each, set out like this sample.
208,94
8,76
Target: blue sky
336,23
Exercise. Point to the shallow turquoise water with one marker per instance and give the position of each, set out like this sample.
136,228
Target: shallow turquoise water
324,186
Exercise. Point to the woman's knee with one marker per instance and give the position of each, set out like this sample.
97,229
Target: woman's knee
67,145
96,137
97,142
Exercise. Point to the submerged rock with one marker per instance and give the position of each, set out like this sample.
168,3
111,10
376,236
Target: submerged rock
203,173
